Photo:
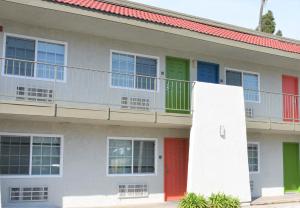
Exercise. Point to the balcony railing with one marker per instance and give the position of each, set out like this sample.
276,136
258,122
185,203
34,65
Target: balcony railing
31,81
272,106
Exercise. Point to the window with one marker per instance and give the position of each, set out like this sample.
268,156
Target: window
45,156
133,71
21,53
131,156
22,49
15,155
17,151
249,81
253,157
53,54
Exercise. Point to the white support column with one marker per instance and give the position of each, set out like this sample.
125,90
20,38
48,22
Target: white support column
218,160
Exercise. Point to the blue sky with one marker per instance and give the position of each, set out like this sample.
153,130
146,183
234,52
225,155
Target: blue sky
238,12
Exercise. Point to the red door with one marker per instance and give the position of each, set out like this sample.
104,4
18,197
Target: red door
290,98
176,166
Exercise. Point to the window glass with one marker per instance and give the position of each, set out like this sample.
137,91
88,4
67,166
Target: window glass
253,157
132,71
23,50
250,84
122,70
52,54
233,78
143,157
45,156
146,72
14,155
24,53
131,156
120,156
16,151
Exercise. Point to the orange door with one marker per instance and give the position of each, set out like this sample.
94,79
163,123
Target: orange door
290,98
176,166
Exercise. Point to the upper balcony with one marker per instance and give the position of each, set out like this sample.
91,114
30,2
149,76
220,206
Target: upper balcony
75,94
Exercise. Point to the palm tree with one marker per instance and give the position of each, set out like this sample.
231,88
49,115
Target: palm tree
262,5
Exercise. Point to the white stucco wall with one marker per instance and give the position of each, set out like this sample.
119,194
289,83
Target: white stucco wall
218,163
85,182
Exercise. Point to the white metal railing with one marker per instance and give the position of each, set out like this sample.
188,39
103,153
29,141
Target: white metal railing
70,84
43,82
272,106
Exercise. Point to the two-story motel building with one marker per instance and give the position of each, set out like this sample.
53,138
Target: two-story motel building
96,101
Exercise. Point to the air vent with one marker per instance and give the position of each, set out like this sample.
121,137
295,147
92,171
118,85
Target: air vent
251,186
135,103
34,94
21,194
133,190
249,112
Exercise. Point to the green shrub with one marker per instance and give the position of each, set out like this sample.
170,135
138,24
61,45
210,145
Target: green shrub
233,202
192,200
220,200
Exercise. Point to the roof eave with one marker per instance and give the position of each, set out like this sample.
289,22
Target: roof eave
152,26
131,4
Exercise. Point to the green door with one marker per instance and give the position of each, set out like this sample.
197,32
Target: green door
178,90
291,167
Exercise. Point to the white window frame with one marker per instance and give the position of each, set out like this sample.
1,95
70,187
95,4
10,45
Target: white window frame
131,139
30,159
258,157
36,39
247,72
135,55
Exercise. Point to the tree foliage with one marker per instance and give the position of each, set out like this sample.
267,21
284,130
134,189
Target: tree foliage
268,24
279,33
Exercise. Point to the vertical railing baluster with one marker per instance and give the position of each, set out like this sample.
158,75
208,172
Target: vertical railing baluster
176,95
184,96
54,88
172,94
293,109
189,96
269,96
13,66
154,94
179,95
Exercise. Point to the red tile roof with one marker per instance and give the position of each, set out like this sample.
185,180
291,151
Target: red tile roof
182,23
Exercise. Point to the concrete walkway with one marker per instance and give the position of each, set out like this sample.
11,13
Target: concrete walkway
175,205
286,201
160,205
287,198
285,205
